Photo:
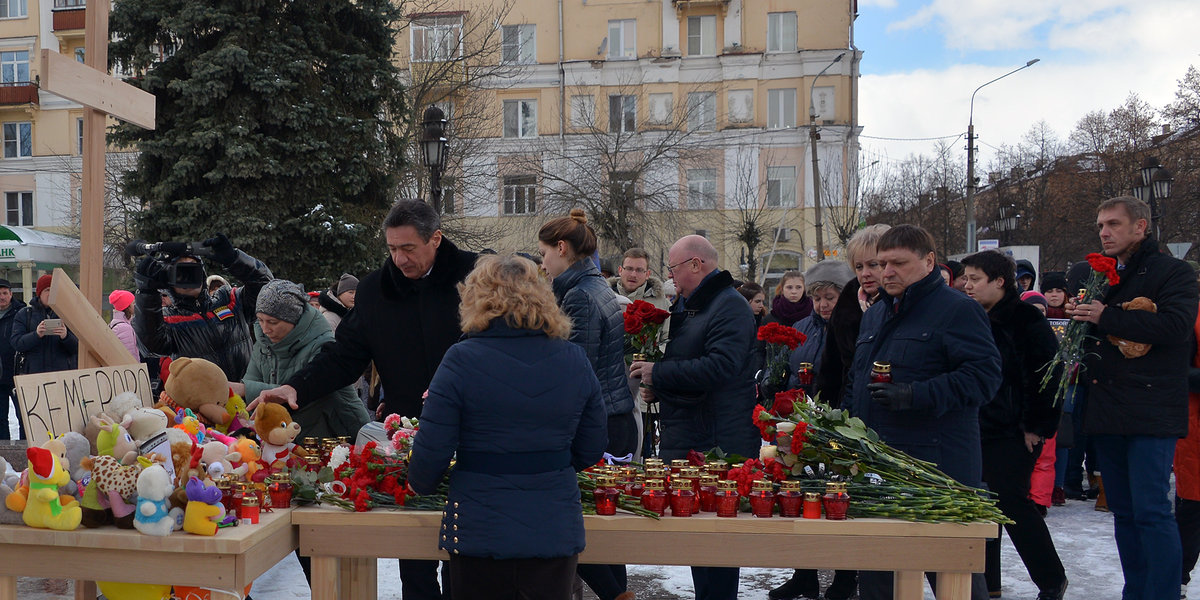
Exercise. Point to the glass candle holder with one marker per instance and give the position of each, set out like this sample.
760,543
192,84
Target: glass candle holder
634,487
280,490
812,505
881,372
762,498
677,465
727,498
836,501
605,495
248,512
717,467
683,499
708,493
225,484
791,499
654,497
804,375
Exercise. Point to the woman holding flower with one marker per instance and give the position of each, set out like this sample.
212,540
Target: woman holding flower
519,406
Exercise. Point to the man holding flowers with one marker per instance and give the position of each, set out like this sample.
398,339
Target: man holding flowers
1136,373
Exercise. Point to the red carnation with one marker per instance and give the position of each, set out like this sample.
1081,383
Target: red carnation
774,470
763,422
799,436
362,502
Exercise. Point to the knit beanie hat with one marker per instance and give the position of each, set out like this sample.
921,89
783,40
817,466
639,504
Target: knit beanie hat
833,271
120,300
1054,280
1033,297
42,283
345,283
283,300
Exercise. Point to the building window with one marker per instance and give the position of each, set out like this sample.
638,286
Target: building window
19,207
781,32
702,36
622,38
702,189
446,204
781,187
14,66
80,55
520,118
519,46
520,195
10,9
702,111
781,108
18,140
622,114
583,111
436,39
79,135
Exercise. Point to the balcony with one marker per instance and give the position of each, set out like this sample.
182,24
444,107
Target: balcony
438,74
682,6
23,92
68,15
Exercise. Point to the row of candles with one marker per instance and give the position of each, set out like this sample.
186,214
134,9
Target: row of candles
248,499
690,490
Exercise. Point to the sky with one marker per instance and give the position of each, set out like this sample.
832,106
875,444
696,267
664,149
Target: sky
923,59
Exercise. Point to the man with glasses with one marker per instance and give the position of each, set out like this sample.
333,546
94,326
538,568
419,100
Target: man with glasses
705,381
635,281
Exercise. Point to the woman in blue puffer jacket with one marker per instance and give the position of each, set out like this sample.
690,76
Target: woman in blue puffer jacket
597,325
518,404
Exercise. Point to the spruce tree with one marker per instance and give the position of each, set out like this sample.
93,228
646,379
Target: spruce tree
275,125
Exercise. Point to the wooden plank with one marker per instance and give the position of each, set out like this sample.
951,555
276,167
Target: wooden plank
909,585
8,587
85,590
324,578
86,323
364,577
953,586
266,551
95,89
107,564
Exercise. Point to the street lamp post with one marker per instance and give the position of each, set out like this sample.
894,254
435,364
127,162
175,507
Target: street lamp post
813,136
971,157
1153,185
433,151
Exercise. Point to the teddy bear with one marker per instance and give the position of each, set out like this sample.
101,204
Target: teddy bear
77,448
199,385
216,460
153,516
43,507
10,480
1134,349
249,455
276,431
204,508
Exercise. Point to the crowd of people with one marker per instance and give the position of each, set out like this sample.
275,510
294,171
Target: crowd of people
519,371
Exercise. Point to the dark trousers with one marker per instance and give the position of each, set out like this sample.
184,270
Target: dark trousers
606,581
9,402
1082,450
1137,474
474,578
715,583
418,580
877,585
1187,517
649,430
1007,465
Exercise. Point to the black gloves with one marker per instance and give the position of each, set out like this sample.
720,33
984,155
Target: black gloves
892,396
223,250
150,275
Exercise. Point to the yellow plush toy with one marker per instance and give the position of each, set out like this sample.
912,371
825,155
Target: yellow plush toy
204,508
44,509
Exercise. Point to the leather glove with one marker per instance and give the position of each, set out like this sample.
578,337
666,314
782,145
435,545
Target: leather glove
892,396
223,250
150,275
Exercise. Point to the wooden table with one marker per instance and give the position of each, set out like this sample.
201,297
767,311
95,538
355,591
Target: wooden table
229,560
344,545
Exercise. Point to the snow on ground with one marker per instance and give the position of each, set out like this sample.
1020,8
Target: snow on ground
1083,537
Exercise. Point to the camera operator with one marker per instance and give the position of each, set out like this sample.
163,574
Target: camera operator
197,324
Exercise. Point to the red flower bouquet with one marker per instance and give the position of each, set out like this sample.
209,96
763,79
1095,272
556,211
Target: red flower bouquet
1064,368
781,341
643,323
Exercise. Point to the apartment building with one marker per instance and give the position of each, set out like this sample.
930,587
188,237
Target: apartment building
659,117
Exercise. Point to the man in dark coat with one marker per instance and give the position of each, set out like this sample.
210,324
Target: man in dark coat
705,382
1138,397
1018,420
944,366
405,317
9,307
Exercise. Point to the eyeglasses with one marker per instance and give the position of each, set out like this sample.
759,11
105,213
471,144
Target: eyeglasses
671,268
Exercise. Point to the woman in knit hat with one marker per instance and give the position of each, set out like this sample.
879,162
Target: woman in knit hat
338,299
288,334
122,303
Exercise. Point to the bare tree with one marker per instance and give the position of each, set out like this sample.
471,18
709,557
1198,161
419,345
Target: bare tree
119,209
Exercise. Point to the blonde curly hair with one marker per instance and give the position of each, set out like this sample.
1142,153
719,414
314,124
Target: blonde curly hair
510,287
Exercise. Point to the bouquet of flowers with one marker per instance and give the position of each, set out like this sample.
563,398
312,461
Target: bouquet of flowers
781,341
1062,370
814,442
643,322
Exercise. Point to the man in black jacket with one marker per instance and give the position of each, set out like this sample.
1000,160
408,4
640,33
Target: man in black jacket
9,307
1019,418
705,382
405,317
1137,397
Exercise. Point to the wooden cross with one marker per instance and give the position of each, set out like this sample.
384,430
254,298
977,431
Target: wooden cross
102,95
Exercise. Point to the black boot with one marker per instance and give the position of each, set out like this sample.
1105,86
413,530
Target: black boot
803,584
845,584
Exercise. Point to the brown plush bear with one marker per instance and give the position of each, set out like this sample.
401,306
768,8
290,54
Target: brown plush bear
276,430
197,384
1134,349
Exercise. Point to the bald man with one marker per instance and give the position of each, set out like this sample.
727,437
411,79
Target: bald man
705,381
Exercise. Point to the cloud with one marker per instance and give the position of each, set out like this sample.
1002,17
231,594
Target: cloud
876,3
